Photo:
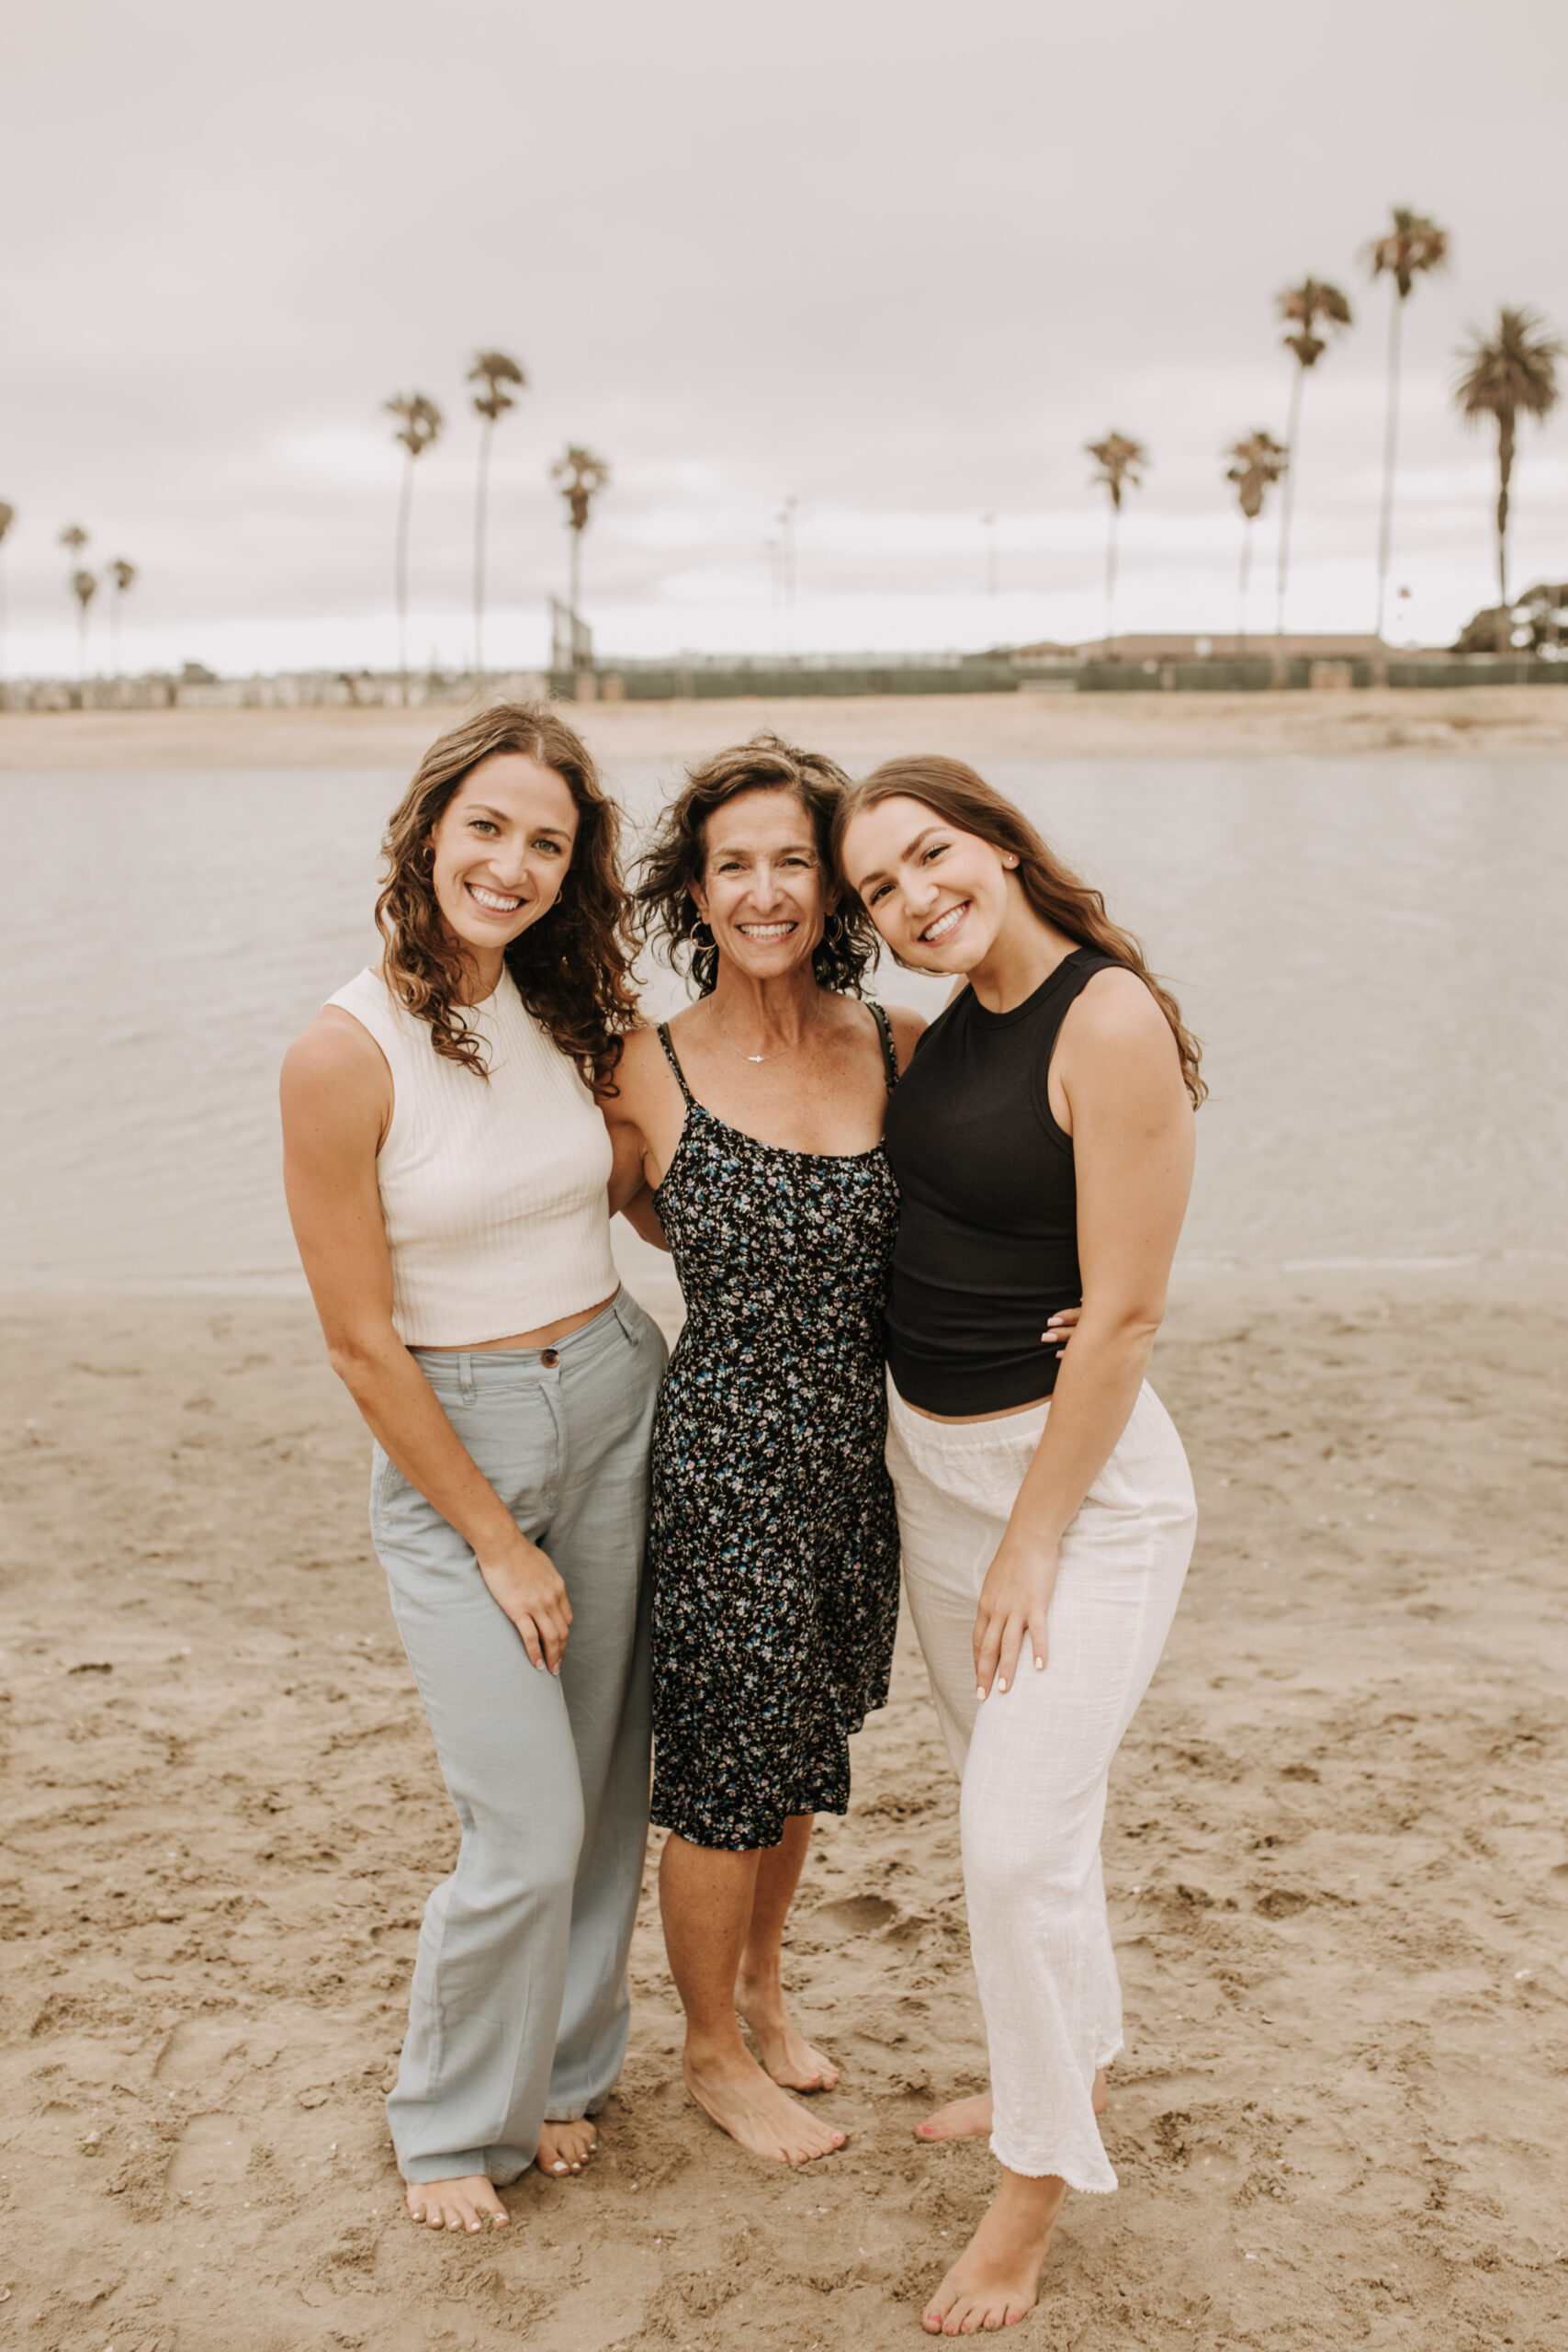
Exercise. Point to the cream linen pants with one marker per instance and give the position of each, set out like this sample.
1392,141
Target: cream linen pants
1035,1761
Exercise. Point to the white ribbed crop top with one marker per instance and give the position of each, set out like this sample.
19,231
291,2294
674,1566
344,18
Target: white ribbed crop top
495,1197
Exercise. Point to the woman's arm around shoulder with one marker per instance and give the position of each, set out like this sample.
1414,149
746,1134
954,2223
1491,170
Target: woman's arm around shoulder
637,1114
907,1029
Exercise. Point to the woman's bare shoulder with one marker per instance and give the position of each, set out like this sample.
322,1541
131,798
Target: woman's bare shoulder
641,1069
334,1051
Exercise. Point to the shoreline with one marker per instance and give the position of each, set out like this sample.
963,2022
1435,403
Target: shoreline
1491,722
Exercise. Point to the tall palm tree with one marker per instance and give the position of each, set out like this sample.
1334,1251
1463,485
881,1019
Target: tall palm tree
582,476
492,371
419,428
121,576
1511,372
7,516
1300,307
1413,246
1257,462
1120,462
83,587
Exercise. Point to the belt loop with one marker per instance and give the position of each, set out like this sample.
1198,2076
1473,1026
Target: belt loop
465,1378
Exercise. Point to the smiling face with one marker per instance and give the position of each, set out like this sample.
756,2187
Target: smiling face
501,850
764,893
939,896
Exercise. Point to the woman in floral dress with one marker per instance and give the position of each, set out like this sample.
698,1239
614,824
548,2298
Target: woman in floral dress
756,1116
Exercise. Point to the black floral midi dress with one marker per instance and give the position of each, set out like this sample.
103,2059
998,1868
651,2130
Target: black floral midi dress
773,1536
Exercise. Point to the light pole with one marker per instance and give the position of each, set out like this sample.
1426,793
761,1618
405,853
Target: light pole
988,524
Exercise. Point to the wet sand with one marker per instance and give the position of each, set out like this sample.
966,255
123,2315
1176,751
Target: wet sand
1470,721
1335,1839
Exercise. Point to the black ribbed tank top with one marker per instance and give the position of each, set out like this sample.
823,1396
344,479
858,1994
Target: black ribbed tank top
987,1244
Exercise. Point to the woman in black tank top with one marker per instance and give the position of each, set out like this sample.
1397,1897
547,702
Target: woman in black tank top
1041,1141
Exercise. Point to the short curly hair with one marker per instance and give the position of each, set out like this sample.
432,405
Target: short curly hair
677,857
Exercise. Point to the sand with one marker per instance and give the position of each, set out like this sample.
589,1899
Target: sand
1334,1839
1466,721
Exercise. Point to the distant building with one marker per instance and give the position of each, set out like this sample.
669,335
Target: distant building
1221,646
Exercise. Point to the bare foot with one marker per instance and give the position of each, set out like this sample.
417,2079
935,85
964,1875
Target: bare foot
752,2108
467,2204
970,2119
787,2055
564,2148
994,2282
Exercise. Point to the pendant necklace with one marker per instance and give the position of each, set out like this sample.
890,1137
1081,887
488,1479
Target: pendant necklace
773,1056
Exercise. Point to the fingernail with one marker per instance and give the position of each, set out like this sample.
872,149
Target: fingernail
978,1693
1039,1665
1002,1682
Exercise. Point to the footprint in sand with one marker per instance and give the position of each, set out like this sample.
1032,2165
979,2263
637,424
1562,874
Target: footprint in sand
195,2050
861,1915
213,2149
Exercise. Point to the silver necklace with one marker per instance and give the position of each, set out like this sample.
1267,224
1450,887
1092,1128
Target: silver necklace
773,1056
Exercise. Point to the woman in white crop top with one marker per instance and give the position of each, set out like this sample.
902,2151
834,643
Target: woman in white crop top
451,1182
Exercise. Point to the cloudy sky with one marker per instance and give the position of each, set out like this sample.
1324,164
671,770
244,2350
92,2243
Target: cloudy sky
899,262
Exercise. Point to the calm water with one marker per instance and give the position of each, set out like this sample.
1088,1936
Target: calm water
1373,953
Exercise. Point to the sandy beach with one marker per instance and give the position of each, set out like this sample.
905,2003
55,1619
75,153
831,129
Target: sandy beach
1334,1839
1470,721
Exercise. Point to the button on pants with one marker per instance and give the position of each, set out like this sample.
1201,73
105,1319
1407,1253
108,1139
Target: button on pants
520,2005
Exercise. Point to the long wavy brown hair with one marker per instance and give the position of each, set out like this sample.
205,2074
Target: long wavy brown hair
573,967
677,857
961,799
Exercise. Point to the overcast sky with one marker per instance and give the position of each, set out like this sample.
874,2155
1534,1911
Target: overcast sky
899,261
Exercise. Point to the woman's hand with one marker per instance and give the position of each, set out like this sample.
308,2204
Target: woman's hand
527,1584
1014,1602
1061,1325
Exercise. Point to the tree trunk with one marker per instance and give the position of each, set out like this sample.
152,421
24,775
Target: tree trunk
1246,578
1389,457
576,586
482,493
1287,505
401,573
1505,474
1111,584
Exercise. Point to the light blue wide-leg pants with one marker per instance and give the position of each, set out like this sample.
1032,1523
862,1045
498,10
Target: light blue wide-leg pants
520,2004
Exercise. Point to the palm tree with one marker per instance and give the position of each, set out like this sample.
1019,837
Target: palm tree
1257,462
1513,371
83,587
1301,306
1413,246
7,516
121,576
582,476
1121,461
419,428
494,370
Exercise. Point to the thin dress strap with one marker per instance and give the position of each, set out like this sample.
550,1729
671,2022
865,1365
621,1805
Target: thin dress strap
889,1053
675,1063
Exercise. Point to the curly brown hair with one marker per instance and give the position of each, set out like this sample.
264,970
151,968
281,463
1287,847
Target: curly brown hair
678,857
960,798
573,967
